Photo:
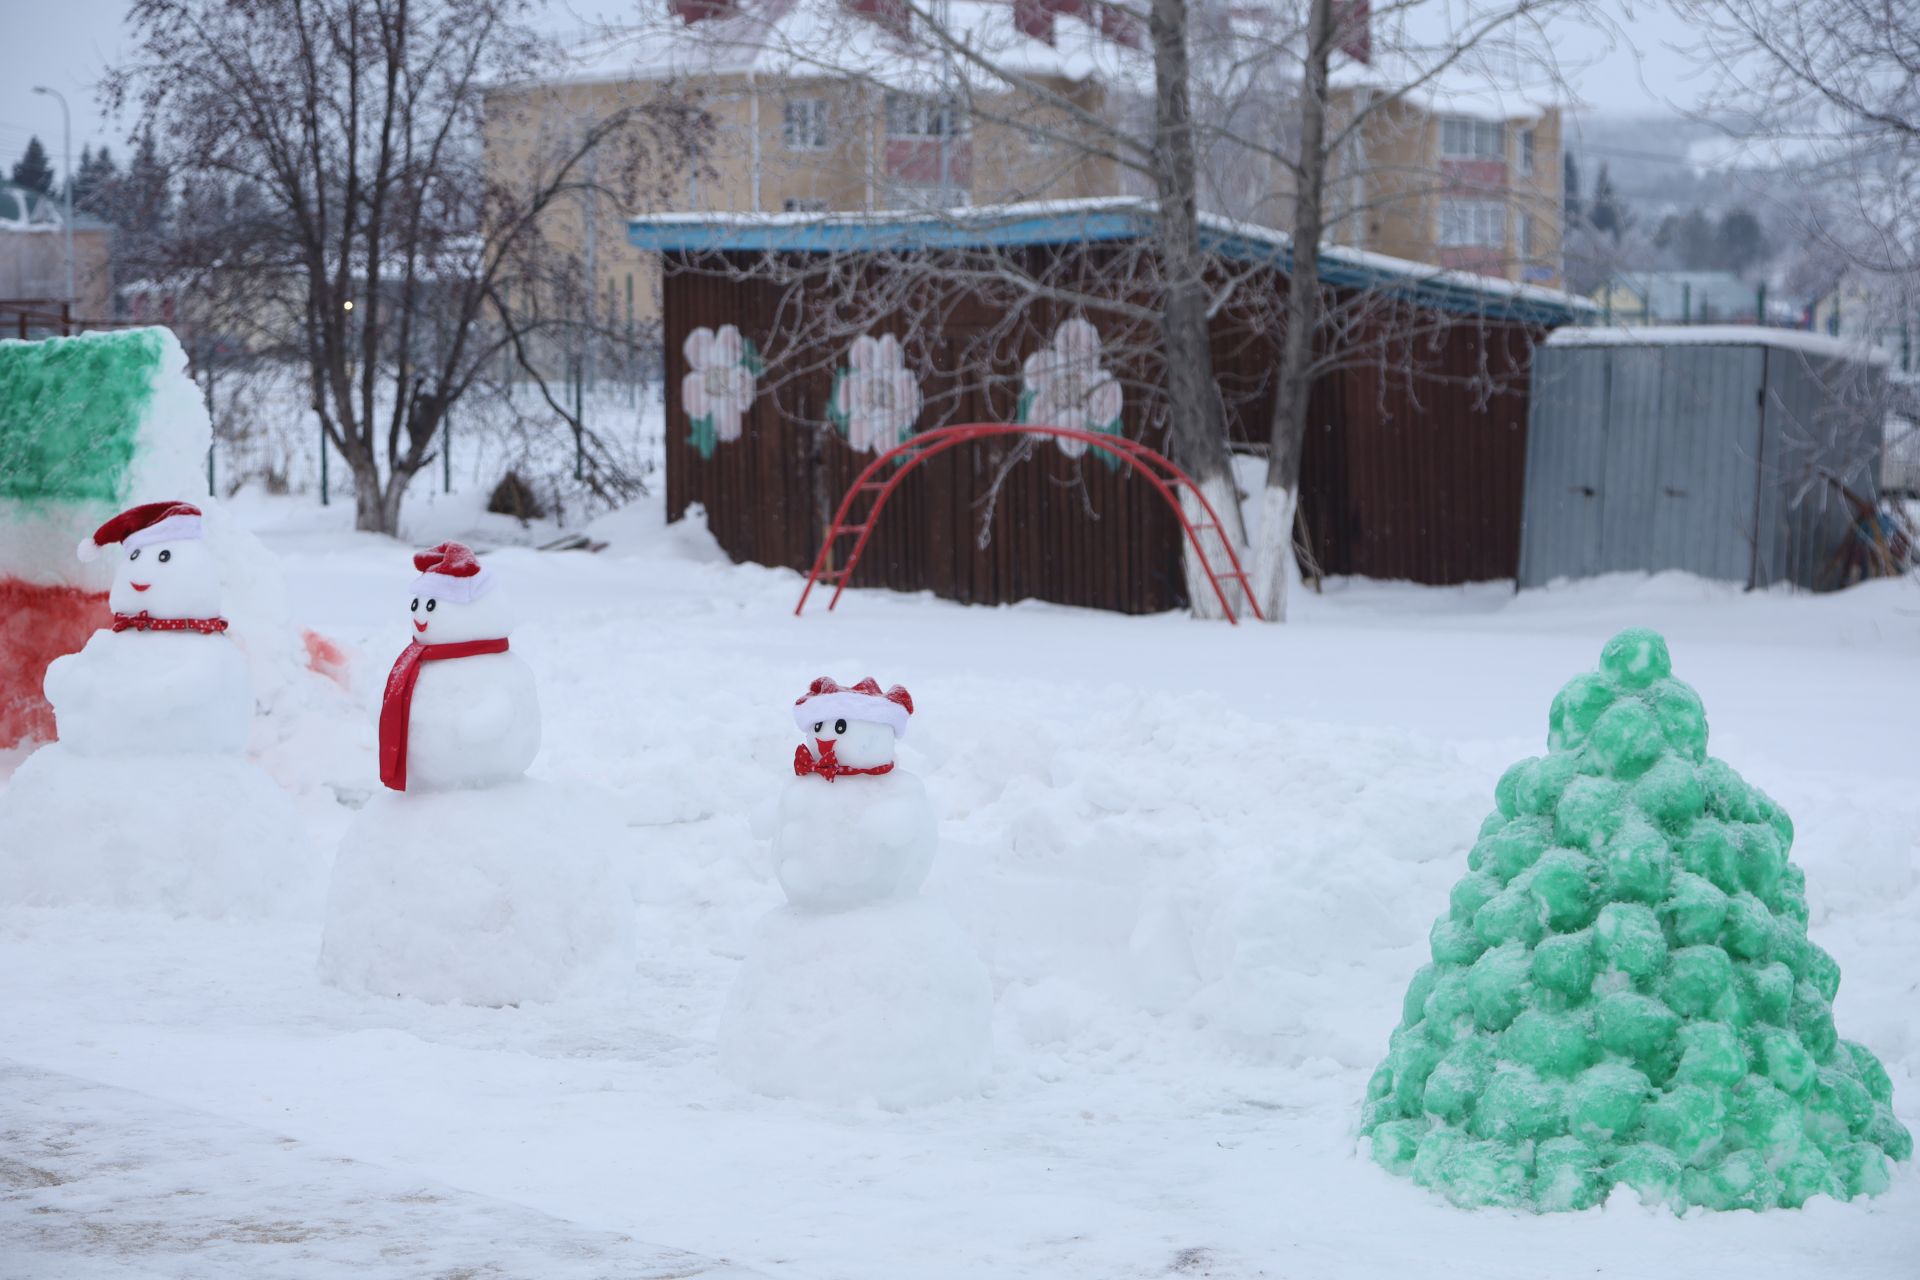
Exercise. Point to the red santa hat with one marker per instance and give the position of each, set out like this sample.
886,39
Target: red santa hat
825,699
143,525
451,571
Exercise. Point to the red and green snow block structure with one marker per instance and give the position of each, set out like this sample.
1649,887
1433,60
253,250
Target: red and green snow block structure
84,431
1622,989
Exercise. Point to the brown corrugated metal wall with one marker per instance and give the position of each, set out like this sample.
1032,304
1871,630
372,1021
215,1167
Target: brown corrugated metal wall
1403,477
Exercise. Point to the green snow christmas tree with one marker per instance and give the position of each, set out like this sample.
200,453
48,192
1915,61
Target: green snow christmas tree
1622,988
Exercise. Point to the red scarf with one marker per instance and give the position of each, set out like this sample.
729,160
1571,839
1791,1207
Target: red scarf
396,705
144,621
828,767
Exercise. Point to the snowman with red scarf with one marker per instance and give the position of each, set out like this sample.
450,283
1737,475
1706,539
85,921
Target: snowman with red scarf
465,881
146,799
858,989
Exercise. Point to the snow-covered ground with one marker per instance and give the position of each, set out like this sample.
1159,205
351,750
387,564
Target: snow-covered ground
1200,861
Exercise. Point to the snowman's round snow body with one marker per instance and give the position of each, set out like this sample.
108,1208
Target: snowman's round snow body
145,799
466,881
858,989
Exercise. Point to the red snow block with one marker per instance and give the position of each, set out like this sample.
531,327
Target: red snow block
37,625
325,658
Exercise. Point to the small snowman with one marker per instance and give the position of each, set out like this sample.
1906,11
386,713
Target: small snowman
858,989
470,723
466,881
165,676
146,799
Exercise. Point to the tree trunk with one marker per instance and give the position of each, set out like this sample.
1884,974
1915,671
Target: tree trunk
1195,414
1273,560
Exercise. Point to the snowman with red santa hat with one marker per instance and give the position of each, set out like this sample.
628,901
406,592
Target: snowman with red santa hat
465,881
858,989
145,798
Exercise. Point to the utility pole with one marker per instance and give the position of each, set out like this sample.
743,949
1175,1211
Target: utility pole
66,171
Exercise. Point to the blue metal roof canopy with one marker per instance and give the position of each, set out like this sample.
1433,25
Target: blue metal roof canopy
1093,222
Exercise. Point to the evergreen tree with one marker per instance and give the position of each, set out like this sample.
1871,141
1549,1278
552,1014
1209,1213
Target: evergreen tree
93,182
34,171
1741,245
1570,193
1604,212
1623,991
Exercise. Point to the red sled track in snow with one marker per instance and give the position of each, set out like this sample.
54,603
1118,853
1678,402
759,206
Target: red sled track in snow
1153,466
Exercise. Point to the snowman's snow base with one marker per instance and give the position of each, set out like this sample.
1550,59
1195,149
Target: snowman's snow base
494,896
164,691
189,834
886,1003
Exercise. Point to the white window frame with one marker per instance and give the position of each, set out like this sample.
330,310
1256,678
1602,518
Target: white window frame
1465,138
1471,224
1526,152
804,124
910,116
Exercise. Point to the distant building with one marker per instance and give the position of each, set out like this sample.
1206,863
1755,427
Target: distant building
1469,180
1679,297
33,254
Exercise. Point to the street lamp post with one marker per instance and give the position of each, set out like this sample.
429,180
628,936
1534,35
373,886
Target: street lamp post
66,170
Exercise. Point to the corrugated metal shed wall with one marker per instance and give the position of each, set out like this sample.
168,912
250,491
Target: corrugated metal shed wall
1690,457
1416,477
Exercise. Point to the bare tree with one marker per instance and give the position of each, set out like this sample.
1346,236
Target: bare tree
382,245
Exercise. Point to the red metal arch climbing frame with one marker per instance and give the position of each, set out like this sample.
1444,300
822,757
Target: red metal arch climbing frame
1153,466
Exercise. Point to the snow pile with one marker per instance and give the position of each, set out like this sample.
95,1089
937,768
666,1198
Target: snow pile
494,896
1623,991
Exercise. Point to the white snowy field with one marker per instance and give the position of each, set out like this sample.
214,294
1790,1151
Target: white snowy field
1200,861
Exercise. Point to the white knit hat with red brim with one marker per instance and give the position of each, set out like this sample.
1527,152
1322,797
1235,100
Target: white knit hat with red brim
143,526
451,571
826,699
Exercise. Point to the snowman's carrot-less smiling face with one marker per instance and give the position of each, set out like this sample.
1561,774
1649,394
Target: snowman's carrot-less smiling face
166,580
436,619
856,744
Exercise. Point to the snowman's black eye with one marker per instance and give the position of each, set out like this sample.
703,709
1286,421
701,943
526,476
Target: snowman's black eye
134,554
429,606
415,606
818,725
165,556
839,726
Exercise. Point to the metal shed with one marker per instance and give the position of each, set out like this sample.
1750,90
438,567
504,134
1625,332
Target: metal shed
1728,452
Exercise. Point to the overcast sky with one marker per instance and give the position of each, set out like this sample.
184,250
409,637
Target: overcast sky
70,43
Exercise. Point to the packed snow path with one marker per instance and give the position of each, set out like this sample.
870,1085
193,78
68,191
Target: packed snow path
1201,863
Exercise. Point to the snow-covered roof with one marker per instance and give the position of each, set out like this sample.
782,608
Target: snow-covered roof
1089,220
1719,335
830,38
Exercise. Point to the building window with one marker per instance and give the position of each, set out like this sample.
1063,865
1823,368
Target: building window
1526,236
911,117
1526,151
804,204
806,124
1472,223
1464,139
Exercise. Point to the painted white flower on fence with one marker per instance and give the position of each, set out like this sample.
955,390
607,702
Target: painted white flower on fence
875,400
721,369
1064,386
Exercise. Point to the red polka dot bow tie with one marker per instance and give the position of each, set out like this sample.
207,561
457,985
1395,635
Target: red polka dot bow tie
144,621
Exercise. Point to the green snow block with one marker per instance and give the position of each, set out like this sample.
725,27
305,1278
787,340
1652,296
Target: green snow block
1636,864
1576,710
1605,1102
1690,1121
1653,1173
1630,939
1623,992
1459,1079
1552,1043
1590,812
70,413
1627,739
1567,1175
1739,1181
1497,985
1564,964
1710,1054
1697,909
1562,883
